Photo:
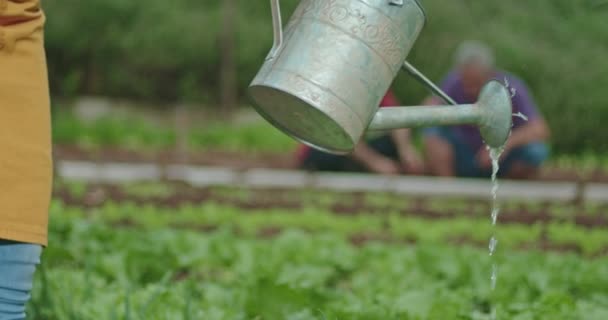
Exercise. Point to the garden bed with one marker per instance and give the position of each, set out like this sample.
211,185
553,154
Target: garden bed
359,217
173,251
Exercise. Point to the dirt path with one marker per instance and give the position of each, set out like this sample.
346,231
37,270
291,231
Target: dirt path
243,160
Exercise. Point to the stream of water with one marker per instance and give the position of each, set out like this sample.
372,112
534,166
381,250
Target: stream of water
495,156
521,116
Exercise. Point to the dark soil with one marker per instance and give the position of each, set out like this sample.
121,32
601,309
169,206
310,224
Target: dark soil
344,204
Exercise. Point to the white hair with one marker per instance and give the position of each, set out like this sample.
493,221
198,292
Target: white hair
474,52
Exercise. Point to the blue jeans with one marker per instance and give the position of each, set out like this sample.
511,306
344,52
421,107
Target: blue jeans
533,154
18,262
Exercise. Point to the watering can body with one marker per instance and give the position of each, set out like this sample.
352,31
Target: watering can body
333,62
324,82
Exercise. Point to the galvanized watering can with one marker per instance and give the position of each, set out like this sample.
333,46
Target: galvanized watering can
329,68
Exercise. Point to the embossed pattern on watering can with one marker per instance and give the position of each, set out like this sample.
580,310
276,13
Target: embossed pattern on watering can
383,35
364,22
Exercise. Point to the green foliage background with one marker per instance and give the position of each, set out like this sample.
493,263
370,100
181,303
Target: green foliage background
168,51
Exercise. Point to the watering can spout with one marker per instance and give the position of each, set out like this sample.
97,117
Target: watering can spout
492,113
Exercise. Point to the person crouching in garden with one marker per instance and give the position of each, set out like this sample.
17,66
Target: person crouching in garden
388,154
459,150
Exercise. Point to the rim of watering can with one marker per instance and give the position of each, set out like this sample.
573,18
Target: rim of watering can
278,125
497,107
423,12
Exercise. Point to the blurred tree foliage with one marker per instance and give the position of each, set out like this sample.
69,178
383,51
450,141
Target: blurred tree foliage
169,51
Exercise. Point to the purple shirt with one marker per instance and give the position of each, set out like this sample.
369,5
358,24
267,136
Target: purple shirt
522,102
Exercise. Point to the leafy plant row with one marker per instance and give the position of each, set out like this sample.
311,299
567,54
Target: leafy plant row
92,270
390,227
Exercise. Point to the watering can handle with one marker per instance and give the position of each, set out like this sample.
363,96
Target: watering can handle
420,77
277,26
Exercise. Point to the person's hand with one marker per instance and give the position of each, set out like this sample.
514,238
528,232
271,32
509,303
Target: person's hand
383,165
411,161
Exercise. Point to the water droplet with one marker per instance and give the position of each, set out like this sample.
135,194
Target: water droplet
492,245
513,91
521,116
495,212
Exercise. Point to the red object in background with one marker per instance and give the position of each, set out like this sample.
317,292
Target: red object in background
389,100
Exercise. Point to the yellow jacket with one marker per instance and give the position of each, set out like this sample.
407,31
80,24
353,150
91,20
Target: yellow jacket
25,133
